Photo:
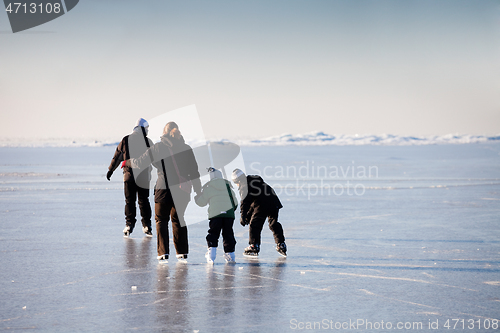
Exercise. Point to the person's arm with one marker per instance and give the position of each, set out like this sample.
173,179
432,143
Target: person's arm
144,161
117,157
194,175
116,160
235,199
203,198
246,202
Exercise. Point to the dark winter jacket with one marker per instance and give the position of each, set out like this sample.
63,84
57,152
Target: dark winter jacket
257,198
216,193
170,150
132,146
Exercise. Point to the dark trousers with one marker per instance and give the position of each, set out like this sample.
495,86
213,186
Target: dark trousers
165,211
224,224
257,222
132,191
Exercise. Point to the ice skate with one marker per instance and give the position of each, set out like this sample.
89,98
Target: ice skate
252,250
127,231
211,254
182,258
162,259
147,231
230,258
281,248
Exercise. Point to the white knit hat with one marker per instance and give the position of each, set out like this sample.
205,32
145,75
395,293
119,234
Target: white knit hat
214,173
237,173
141,122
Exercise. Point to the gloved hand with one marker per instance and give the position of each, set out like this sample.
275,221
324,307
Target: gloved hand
108,175
243,221
124,163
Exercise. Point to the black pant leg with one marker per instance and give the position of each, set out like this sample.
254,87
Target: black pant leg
144,206
130,189
229,241
214,228
276,227
162,216
180,234
255,228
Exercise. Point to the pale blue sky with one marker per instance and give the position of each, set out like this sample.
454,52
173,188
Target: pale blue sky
256,68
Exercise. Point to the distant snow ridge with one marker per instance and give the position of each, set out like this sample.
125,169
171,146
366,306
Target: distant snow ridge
308,139
321,138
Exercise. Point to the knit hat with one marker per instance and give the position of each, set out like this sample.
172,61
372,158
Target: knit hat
214,173
237,173
141,122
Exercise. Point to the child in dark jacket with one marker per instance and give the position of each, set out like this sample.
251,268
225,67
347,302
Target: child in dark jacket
222,202
258,203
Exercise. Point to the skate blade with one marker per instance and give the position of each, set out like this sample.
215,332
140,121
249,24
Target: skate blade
209,260
250,255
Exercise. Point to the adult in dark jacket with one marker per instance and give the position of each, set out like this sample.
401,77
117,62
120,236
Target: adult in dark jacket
177,174
136,183
258,202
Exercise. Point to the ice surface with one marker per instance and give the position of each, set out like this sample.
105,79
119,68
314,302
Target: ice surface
420,244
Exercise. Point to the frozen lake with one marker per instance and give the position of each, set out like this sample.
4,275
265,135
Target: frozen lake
408,241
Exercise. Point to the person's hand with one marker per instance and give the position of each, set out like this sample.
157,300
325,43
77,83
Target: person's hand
243,222
126,163
108,175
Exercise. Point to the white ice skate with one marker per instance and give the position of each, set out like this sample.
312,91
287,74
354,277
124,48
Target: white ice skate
211,254
182,258
230,258
162,259
147,231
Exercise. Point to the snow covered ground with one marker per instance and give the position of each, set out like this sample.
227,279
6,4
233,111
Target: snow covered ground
380,238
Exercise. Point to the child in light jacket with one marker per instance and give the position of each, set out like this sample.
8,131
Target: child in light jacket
222,203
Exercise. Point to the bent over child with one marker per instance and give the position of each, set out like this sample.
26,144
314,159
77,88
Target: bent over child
258,203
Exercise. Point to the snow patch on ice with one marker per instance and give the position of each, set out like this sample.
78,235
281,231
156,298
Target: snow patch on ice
493,283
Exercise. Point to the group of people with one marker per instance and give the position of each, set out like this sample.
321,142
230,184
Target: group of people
178,176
